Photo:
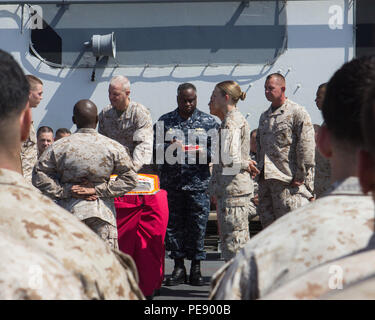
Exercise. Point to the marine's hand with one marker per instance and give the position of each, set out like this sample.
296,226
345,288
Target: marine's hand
253,169
297,183
82,192
256,200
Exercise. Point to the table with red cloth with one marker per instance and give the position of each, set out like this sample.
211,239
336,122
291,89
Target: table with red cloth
142,223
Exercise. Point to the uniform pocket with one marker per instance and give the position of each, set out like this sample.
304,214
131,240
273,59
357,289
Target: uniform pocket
283,135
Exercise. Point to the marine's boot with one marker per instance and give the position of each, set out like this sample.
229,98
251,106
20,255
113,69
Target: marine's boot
178,275
195,278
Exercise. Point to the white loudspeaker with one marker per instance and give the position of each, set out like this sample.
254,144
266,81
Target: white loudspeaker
103,45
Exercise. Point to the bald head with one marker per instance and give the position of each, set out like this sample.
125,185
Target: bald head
85,114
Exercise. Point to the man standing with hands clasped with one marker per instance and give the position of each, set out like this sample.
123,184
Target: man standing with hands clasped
285,154
76,171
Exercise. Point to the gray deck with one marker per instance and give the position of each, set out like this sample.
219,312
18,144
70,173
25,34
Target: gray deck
208,267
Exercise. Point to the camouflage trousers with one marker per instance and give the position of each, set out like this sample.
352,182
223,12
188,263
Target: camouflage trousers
233,224
188,216
277,198
104,230
253,210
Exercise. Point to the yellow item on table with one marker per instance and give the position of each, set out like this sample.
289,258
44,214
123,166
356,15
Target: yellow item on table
148,184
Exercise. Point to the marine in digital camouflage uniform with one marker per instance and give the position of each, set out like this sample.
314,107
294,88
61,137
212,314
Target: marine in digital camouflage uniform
285,154
362,268
128,122
45,252
186,181
231,184
29,148
336,225
87,156
326,229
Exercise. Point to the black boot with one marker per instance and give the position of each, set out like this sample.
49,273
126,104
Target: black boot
195,278
178,275
150,297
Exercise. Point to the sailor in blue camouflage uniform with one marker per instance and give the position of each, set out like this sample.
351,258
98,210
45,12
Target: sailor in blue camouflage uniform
185,175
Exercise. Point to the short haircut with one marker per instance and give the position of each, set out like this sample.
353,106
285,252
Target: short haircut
368,121
278,76
345,98
185,86
85,113
124,81
33,81
44,129
62,131
14,87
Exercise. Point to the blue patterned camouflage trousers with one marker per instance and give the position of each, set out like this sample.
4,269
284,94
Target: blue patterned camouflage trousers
188,215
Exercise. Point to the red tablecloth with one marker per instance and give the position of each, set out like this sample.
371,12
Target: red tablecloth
142,223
